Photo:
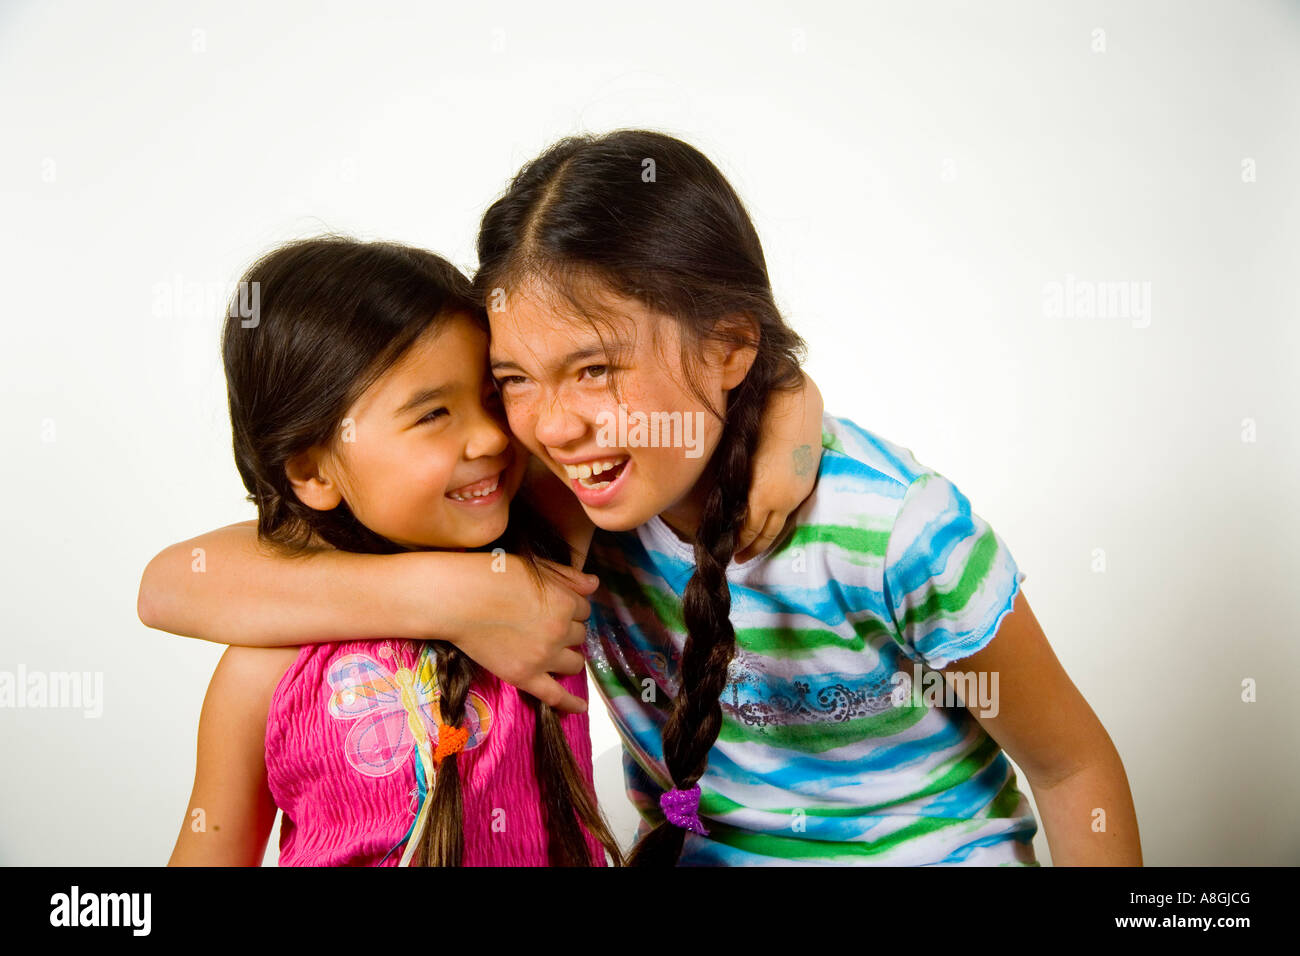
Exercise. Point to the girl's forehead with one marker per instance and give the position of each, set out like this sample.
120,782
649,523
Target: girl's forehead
529,327
559,314
446,358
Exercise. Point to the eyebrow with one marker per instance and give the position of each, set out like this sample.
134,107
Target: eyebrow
422,397
568,360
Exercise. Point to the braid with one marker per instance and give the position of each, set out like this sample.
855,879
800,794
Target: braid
696,716
444,833
567,803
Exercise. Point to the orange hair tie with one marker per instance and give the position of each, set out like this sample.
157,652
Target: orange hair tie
451,740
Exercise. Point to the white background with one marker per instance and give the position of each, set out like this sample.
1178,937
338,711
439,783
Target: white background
919,175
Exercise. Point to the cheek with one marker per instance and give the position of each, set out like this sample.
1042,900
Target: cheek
521,415
413,471
518,468
666,468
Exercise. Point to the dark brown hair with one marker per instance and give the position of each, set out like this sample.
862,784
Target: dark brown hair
333,314
651,218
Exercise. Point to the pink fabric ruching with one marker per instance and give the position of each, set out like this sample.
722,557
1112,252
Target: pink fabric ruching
346,728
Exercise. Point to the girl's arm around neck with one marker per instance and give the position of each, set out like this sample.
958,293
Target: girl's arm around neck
231,810
228,587
785,465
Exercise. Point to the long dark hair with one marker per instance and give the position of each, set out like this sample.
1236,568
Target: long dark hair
651,218
333,314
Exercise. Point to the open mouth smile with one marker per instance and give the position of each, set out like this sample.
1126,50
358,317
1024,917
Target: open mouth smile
479,492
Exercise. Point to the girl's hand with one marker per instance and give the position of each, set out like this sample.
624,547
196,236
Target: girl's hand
506,623
785,466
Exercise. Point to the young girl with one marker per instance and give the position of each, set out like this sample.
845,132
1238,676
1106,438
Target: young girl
364,420
770,709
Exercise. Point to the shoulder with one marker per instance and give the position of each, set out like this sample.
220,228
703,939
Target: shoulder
863,479
859,453
257,664
862,482
246,678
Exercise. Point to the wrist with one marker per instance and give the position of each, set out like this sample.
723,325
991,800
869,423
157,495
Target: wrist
436,593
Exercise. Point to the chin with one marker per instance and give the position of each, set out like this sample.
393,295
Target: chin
618,520
485,533
472,535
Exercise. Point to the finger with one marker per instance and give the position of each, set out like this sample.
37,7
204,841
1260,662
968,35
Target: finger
548,690
581,608
581,582
567,661
753,527
577,635
771,528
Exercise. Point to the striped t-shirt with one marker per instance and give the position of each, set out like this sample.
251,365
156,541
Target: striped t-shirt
825,757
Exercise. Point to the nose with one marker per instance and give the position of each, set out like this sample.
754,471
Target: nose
556,425
487,437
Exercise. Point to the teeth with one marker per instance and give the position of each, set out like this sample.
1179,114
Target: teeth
483,492
591,469
579,472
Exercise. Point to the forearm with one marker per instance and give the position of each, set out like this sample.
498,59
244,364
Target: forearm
793,425
238,591
228,587
1089,816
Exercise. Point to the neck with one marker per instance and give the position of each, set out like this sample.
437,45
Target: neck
685,516
683,525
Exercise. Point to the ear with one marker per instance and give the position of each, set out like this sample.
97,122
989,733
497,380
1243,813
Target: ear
309,474
734,360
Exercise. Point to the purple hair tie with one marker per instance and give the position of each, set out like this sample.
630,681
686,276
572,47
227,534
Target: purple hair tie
682,807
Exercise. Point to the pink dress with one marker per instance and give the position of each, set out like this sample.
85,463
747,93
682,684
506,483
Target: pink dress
349,732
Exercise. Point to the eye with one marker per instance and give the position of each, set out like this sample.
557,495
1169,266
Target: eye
433,415
505,380
603,369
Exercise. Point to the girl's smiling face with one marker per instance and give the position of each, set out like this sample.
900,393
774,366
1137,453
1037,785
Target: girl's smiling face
418,444
575,401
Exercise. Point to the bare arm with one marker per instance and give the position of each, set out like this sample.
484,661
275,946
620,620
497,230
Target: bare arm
227,586
1069,809
231,810
1045,726
785,465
